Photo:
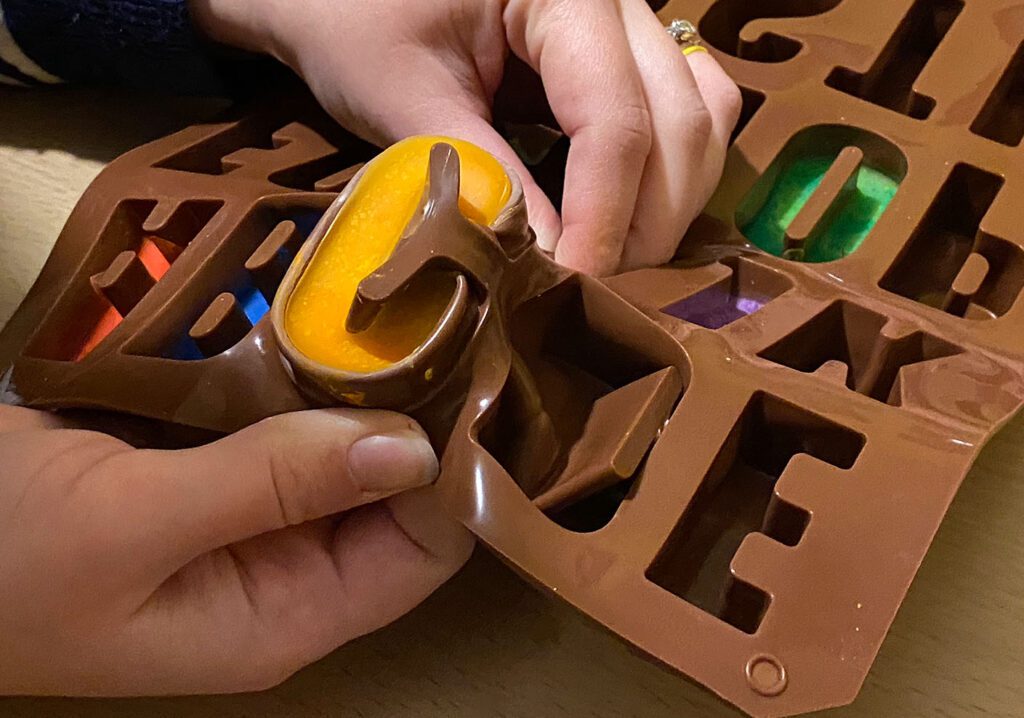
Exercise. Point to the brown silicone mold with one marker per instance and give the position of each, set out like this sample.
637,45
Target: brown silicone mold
735,462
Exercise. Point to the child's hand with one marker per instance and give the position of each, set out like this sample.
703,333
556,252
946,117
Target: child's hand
217,569
649,127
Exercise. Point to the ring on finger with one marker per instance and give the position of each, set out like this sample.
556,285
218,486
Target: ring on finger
685,35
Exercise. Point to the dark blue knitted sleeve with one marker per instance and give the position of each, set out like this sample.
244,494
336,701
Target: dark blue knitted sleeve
146,44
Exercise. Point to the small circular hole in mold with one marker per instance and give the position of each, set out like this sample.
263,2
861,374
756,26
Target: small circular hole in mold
766,675
822,194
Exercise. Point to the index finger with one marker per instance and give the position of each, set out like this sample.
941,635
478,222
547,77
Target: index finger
603,111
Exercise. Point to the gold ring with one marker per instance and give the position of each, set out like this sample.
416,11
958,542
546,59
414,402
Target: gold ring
685,35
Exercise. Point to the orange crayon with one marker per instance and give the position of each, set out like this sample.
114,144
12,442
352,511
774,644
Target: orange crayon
362,237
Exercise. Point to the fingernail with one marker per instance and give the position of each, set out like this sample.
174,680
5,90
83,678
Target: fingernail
386,463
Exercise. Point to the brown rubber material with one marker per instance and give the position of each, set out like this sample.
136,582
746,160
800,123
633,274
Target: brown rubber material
737,462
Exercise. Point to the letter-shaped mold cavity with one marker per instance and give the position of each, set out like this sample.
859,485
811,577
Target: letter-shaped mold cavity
584,403
293,156
140,242
950,262
737,498
744,287
722,27
206,156
855,347
226,298
822,194
890,81
1002,117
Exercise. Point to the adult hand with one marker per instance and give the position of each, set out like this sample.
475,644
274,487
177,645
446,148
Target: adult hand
648,126
216,569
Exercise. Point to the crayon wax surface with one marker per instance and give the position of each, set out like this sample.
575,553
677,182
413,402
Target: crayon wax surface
363,236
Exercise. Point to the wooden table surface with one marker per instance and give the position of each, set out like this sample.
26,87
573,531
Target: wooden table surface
487,645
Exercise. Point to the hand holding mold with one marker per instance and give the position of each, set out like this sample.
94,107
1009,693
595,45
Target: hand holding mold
649,127
216,569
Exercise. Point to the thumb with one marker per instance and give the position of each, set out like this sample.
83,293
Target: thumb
283,471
